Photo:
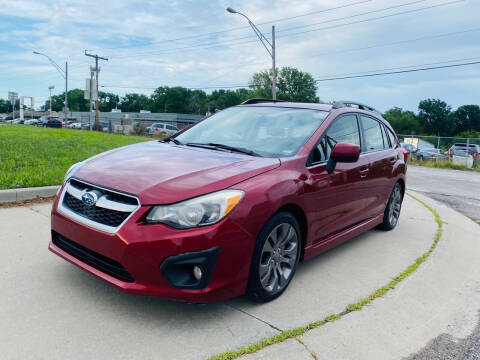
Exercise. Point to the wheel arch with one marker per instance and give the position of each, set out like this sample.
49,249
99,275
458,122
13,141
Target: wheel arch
299,214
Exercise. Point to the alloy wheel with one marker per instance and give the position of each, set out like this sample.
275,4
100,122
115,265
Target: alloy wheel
278,258
395,206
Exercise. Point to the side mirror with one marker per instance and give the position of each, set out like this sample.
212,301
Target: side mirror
342,152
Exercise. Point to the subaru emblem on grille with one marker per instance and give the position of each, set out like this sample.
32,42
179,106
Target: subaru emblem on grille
89,198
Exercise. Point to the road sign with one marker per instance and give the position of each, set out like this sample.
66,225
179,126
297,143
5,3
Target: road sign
12,97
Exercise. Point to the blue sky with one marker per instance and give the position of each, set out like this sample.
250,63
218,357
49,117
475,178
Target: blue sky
198,44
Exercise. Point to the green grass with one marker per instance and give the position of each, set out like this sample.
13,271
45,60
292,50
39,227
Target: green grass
31,156
441,165
294,333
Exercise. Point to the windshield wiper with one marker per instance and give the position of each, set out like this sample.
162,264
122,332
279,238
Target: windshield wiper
170,139
215,146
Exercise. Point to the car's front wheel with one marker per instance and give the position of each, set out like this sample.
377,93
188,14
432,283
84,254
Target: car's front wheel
275,258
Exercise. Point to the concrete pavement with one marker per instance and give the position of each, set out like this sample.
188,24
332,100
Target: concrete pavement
438,301
50,309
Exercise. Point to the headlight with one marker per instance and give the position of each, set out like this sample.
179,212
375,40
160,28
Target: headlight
200,211
72,170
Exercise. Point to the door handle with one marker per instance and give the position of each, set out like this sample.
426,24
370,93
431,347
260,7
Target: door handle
364,172
392,160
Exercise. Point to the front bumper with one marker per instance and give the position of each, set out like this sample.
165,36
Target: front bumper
144,249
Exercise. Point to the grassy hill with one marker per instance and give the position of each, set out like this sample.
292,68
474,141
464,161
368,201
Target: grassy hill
32,156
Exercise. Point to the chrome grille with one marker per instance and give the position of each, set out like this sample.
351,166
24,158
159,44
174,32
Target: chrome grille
108,212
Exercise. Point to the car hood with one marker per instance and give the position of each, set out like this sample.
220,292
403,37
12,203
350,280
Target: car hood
160,173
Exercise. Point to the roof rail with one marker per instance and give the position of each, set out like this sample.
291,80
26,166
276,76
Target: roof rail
259,100
345,103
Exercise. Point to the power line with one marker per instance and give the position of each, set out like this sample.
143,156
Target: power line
240,27
376,18
396,42
357,15
236,42
403,67
398,72
339,77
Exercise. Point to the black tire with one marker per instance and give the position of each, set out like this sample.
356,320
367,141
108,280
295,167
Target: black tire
393,208
277,261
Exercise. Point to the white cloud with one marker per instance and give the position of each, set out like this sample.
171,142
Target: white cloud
118,29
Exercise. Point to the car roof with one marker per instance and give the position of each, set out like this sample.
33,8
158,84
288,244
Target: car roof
285,104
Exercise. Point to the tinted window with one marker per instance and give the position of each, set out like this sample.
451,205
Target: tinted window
170,127
344,129
267,130
373,134
390,136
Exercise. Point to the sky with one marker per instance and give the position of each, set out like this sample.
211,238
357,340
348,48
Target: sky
198,44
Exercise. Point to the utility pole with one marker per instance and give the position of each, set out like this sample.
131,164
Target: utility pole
66,93
274,70
97,70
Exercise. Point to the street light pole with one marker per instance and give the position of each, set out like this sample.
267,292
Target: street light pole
270,48
64,74
51,88
274,69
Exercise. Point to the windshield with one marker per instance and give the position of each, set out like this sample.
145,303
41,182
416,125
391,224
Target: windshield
267,131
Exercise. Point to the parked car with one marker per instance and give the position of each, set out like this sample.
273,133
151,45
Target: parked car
31,122
409,147
74,125
162,129
51,121
461,149
430,154
232,204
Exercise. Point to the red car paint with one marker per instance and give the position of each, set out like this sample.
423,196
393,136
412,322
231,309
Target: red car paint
331,208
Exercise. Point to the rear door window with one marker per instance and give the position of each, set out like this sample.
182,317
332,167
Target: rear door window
373,134
391,137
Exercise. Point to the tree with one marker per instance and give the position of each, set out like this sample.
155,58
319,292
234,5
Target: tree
403,122
107,101
292,85
467,118
435,117
135,103
5,106
221,99
76,101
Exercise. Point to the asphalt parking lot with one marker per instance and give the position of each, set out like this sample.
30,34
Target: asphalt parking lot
456,188
50,309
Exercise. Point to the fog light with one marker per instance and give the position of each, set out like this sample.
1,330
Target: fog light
197,272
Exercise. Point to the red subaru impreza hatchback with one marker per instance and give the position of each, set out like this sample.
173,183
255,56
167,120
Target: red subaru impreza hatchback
231,205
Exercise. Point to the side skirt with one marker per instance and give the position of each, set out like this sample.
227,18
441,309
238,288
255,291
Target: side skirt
338,238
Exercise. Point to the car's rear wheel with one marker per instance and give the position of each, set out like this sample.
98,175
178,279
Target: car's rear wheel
275,258
393,208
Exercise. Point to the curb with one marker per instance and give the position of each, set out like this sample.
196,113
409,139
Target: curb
13,195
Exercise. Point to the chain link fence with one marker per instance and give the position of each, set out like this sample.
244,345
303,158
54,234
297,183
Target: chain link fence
457,151
126,126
